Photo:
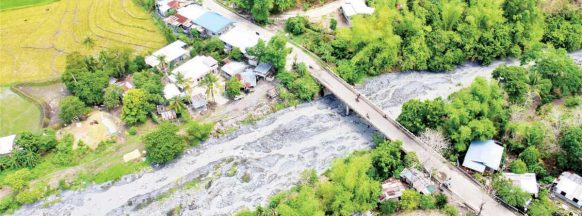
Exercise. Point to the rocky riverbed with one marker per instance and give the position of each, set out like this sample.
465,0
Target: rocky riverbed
242,169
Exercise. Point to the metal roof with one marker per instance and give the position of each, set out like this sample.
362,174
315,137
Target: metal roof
526,181
571,184
483,154
171,51
7,143
213,22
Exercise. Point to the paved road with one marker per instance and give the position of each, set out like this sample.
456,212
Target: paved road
461,185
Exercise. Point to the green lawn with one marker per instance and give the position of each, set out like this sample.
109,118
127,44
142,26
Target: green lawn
16,113
12,4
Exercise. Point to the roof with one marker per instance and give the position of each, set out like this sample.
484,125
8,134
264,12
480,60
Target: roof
248,78
354,7
7,144
199,101
174,4
233,68
263,69
195,68
571,184
483,154
168,115
176,20
526,181
192,11
171,91
213,22
417,180
240,37
172,52
391,188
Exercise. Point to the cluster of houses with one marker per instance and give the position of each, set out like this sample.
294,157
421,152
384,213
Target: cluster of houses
393,188
185,72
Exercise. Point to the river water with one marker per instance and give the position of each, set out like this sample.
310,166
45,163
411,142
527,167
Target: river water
271,153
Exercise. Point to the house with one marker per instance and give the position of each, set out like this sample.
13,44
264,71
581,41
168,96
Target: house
392,188
569,188
527,181
233,68
171,91
264,69
418,181
164,5
174,53
192,12
213,23
199,102
240,37
125,83
179,22
354,7
483,155
7,144
195,69
248,79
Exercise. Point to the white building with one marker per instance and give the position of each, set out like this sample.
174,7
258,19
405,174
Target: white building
174,53
355,7
195,69
483,155
240,37
172,91
192,12
233,68
569,188
527,182
7,144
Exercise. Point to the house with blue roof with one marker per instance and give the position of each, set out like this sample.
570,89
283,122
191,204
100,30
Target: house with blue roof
213,23
483,155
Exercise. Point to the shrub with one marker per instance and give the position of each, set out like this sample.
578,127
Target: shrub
246,178
6,203
233,87
18,180
388,207
132,131
518,166
296,25
332,24
31,195
440,200
450,210
164,144
198,132
72,109
410,199
427,202
573,101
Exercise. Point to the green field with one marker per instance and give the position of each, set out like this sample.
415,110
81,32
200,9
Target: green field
17,114
12,4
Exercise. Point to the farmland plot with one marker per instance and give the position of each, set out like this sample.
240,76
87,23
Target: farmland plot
36,40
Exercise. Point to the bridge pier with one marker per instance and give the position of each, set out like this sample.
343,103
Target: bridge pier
347,110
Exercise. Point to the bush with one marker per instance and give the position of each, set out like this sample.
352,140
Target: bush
332,24
440,200
573,101
246,178
198,132
31,195
233,87
410,199
164,144
18,180
427,202
518,166
7,203
132,131
450,210
388,207
296,25
235,54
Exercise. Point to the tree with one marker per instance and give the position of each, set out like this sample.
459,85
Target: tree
83,80
571,143
409,200
440,200
260,10
563,29
112,96
135,107
276,52
518,166
386,160
427,202
198,132
177,104
283,5
419,115
388,207
72,109
514,80
530,156
542,206
163,63
296,25
89,43
164,144
210,81
509,193
233,87
236,54
18,180
562,72
38,143
151,83
332,24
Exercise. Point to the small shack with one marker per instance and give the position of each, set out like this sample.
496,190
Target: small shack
165,113
7,144
264,69
483,155
569,188
418,181
248,79
392,188
233,68
527,181
199,102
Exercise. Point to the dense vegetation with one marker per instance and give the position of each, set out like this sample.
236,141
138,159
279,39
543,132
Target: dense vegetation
260,10
352,185
164,144
437,35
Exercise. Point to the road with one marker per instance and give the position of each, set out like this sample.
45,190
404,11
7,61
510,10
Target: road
472,194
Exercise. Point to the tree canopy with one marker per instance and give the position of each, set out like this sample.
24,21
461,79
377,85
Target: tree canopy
163,144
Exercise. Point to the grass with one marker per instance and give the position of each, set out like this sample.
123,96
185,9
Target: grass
16,4
55,29
16,113
115,172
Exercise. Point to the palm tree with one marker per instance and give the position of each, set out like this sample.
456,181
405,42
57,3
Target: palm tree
212,85
177,104
89,43
163,63
185,83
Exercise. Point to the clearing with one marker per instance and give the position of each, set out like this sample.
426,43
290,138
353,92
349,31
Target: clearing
17,114
54,30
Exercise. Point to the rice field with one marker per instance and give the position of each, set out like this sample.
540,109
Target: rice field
35,40
17,114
